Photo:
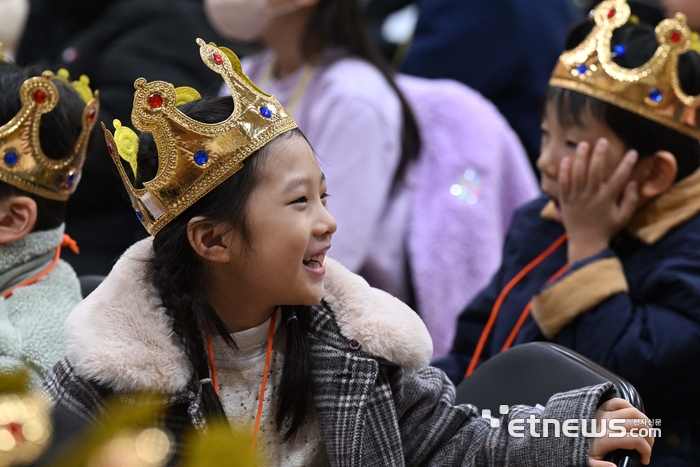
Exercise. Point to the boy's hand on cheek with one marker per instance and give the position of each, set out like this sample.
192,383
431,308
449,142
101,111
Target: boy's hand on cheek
596,199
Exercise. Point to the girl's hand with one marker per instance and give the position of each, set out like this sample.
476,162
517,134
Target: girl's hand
619,409
596,199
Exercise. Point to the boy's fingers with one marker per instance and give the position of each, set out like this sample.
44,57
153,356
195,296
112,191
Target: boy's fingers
628,202
597,165
564,177
579,167
622,173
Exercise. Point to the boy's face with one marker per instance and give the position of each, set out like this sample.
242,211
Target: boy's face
560,141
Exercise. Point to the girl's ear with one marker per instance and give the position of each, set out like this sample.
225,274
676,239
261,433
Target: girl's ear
17,218
659,174
207,239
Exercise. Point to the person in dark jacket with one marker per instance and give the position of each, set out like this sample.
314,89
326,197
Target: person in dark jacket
505,49
607,263
114,42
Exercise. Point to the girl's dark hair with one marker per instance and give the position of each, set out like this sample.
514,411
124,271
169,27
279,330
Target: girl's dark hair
179,274
339,23
59,132
635,131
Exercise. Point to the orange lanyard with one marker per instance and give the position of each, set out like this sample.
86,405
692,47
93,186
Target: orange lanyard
67,241
270,340
504,293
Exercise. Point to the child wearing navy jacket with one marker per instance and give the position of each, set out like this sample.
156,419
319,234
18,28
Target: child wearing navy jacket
607,261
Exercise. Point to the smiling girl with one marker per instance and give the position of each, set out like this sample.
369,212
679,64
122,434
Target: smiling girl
233,312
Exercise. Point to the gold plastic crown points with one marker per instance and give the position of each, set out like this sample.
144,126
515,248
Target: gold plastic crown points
652,90
23,163
195,157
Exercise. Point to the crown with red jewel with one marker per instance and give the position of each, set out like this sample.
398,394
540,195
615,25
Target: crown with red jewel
23,163
193,157
652,90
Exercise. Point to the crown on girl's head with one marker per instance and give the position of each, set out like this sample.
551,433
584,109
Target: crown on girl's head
652,90
193,157
24,164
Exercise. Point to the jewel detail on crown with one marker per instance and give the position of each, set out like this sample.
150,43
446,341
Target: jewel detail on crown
652,90
195,157
23,163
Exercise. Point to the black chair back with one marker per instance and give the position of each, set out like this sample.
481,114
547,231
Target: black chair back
88,283
530,374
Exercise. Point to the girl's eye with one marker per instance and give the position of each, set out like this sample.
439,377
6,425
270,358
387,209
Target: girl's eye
324,196
571,144
301,200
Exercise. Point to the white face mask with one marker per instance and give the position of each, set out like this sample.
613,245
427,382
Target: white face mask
244,20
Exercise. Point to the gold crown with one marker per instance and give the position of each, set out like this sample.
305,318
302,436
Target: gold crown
24,164
652,90
194,157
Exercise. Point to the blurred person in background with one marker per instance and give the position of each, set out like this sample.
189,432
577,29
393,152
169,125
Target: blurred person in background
14,14
487,45
424,191
691,9
113,42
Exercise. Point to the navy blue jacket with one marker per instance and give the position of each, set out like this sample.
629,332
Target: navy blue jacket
634,309
505,49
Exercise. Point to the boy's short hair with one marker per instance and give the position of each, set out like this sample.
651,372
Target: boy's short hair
635,131
59,132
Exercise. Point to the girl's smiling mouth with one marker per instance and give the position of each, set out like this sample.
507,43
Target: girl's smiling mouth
314,263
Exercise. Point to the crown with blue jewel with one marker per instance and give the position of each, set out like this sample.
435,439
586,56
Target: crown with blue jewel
23,163
193,157
652,90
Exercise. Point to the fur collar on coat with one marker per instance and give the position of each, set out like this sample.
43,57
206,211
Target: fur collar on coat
121,337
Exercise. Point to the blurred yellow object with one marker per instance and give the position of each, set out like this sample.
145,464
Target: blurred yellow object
14,383
695,42
25,428
124,436
133,448
217,443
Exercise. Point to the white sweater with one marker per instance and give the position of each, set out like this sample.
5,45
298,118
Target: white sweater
239,376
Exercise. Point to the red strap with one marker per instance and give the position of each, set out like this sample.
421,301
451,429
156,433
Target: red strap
210,350
67,241
502,296
526,311
70,243
270,340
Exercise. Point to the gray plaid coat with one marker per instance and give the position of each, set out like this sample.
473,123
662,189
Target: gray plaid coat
376,400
